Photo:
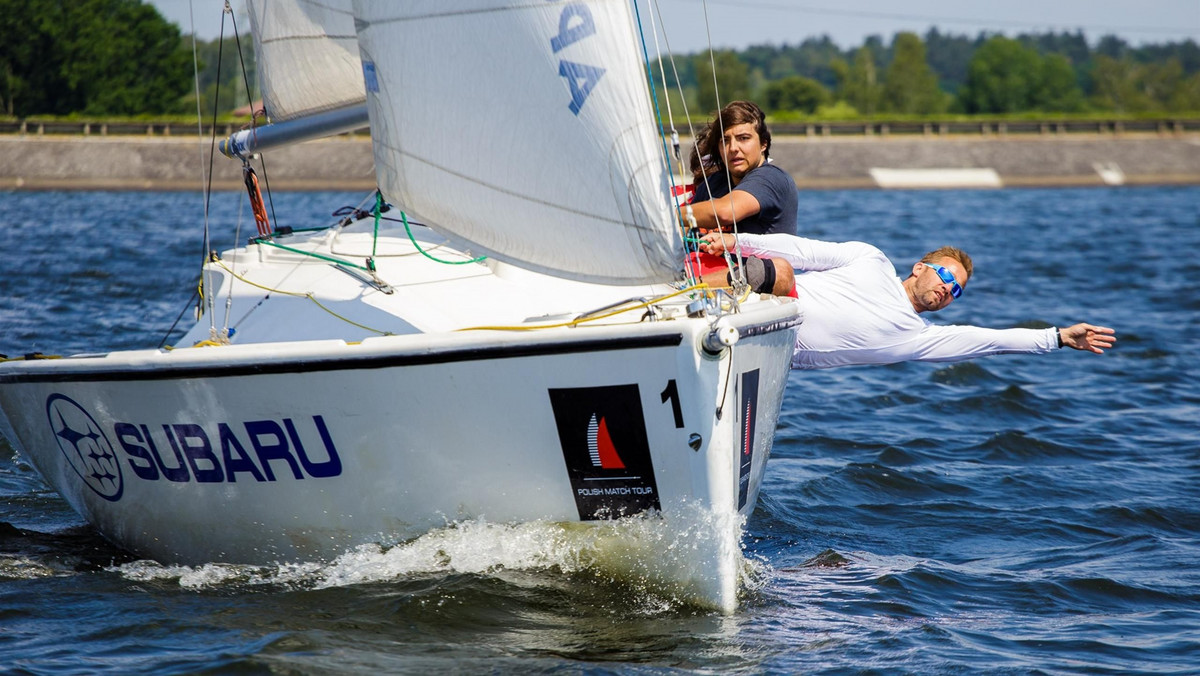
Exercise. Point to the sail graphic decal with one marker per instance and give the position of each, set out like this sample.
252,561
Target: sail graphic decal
603,435
749,411
600,446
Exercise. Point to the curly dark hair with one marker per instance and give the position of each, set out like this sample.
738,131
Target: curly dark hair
738,112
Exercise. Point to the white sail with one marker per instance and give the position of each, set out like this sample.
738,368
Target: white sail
307,56
523,127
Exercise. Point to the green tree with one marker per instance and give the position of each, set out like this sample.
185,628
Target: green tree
910,86
29,62
1006,76
811,58
732,79
1000,77
1058,88
858,82
90,56
948,56
1187,97
795,93
1115,83
227,89
1126,86
1162,83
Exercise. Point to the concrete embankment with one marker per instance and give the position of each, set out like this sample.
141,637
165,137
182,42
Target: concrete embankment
34,162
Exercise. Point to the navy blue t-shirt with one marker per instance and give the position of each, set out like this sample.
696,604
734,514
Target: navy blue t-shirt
771,186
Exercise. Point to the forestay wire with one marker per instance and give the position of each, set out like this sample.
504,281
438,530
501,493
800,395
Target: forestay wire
684,228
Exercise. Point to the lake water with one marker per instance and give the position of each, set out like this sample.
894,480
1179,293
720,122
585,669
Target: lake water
1014,514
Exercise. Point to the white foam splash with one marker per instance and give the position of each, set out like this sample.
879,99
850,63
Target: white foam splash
24,568
693,557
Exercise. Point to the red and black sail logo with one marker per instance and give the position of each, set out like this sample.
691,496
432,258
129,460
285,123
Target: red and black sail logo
603,436
749,413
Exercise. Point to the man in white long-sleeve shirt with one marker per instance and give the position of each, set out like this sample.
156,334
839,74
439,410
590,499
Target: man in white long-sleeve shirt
857,311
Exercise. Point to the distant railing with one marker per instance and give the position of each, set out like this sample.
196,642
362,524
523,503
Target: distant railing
1161,126
122,128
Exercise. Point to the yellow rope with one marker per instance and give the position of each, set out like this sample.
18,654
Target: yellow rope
576,322
226,268
702,286
307,294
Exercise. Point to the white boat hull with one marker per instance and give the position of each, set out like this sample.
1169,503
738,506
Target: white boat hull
301,451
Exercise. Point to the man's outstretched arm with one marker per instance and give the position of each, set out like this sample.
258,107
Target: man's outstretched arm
800,252
1086,337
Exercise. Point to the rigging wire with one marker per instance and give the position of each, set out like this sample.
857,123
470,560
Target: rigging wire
676,191
212,150
684,227
658,113
687,114
712,59
204,184
938,19
205,178
719,128
237,237
163,343
262,161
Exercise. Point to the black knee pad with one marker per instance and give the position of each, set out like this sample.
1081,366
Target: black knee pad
760,274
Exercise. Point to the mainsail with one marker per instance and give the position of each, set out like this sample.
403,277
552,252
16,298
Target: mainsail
307,56
523,127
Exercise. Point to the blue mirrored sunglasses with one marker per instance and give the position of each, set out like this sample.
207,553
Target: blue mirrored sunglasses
947,277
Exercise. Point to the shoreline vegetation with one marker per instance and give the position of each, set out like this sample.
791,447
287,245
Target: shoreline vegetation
80,109
61,60
925,125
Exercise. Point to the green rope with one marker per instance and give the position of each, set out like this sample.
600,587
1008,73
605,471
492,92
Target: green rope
331,259
374,243
378,209
425,253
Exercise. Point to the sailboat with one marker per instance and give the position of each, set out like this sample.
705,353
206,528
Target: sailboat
508,332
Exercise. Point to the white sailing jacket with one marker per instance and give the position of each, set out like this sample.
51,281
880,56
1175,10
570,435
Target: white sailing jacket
855,311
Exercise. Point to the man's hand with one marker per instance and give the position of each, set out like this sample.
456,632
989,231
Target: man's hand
716,243
1087,337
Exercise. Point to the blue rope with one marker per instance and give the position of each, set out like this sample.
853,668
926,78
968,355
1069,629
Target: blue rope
658,115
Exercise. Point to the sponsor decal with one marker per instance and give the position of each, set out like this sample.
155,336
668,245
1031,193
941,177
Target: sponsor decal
575,23
749,413
603,436
85,446
181,452
370,77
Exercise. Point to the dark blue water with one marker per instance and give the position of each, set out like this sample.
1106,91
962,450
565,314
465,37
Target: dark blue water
1018,514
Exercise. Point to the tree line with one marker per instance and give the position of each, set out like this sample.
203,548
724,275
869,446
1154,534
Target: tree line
112,58
122,58
942,73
